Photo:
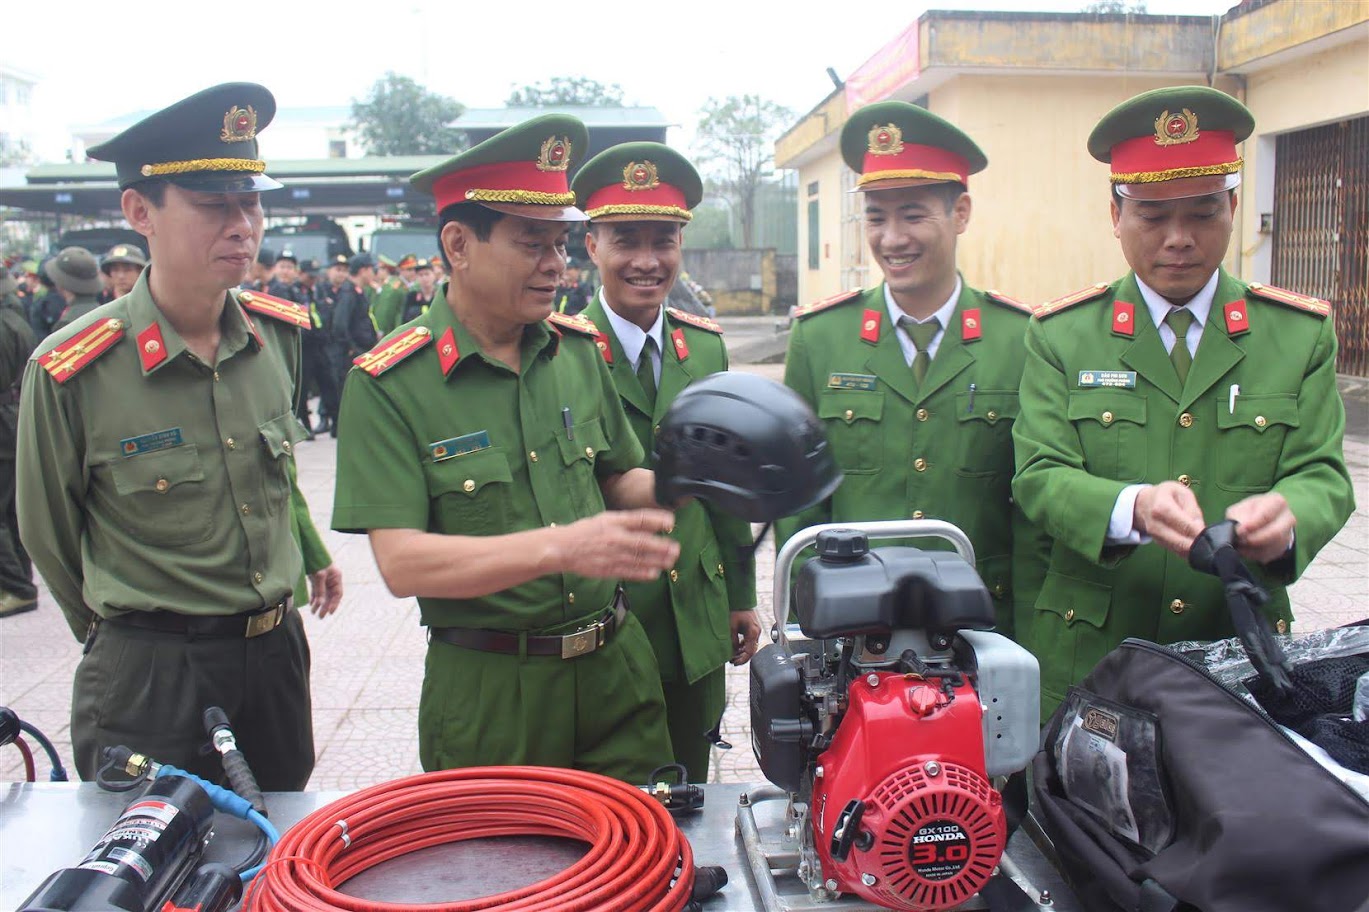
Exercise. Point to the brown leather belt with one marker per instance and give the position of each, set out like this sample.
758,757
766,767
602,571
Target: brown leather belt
572,645
246,626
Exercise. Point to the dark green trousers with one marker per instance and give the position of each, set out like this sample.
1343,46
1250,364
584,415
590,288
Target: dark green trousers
692,711
602,712
148,690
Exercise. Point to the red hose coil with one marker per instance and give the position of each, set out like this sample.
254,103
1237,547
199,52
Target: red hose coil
638,860
30,774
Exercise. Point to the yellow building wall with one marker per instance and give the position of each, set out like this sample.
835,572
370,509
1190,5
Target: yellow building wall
815,284
1320,88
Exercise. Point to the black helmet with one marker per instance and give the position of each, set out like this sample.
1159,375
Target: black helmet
750,446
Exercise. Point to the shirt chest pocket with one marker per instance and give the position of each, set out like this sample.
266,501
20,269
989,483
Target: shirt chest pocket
278,438
1250,440
162,498
853,419
985,424
1111,424
469,494
580,448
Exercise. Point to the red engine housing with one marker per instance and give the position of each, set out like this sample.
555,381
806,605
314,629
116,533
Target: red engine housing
931,827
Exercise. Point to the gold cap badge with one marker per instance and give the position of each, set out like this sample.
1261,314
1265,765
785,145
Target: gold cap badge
239,125
1176,129
886,139
555,154
640,176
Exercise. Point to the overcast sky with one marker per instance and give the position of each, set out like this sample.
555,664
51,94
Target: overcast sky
107,60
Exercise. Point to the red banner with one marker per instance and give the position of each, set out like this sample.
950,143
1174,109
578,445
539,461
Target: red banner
892,67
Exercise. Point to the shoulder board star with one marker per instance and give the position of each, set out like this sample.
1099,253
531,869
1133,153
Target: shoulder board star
394,350
698,322
1069,300
1291,299
808,310
1011,303
574,323
69,358
272,306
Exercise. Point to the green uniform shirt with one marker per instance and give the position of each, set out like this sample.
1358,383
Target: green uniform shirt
162,487
686,610
387,305
482,450
1079,443
942,450
78,308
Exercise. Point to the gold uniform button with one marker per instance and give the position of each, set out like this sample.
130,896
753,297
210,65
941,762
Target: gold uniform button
468,485
245,509
674,576
721,571
992,416
1185,480
216,376
1177,606
1281,626
231,443
923,414
917,514
1069,615
532,454
848,415
551,525
163,485
1185,420
589,452
998,589
1107,417
1260,421
656,429
570,597
285,446
920,464
257,577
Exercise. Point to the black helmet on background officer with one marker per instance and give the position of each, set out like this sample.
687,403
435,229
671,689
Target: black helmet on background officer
75,271
748,445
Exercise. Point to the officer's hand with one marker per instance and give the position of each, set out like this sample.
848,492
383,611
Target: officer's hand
1264,527
1169,513
325,590
620,544
746,632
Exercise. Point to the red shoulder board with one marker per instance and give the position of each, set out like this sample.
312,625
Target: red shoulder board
1292,299
684,316
1069,300
392,351
808,310
1012,303
272,306
69,358
575,323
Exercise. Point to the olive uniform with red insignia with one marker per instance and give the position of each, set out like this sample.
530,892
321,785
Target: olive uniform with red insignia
1080,442
156,495
1106,411
150,481
939,450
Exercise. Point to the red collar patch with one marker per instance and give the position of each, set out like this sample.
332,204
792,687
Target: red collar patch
1237,318
1124,319
151,347
970,325
681,347
447,352
869,326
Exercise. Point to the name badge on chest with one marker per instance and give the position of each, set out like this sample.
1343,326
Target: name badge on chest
459,446
851,381
150,443
1122,379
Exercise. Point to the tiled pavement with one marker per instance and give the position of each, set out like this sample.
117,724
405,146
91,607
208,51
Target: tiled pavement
368,658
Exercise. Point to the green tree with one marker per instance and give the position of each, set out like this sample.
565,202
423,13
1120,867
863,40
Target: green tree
567,91
401,117
736,137
1115,6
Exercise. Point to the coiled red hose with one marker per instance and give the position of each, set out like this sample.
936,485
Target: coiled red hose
638,860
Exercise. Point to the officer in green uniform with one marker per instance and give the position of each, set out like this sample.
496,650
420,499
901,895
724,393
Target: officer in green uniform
916,379
76,273
155,441
700,615
389,298
1170,399
122,264
480,446
17,592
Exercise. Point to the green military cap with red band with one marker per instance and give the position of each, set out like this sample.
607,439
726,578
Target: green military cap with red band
893,144
638,181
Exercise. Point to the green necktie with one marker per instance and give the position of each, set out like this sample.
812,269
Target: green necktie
1179,320
646,371
922,335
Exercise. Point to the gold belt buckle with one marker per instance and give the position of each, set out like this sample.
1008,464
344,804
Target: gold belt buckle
582,642
265,622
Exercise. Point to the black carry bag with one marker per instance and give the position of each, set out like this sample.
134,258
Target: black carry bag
1163,790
